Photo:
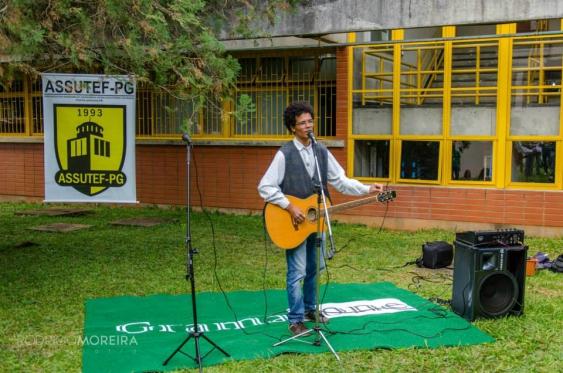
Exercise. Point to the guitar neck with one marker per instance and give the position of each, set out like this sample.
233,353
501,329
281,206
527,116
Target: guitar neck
351,204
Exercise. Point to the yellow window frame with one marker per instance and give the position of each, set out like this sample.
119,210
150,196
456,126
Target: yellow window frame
501,140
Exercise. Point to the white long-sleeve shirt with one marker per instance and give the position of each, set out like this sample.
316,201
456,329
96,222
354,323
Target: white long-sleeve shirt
269,187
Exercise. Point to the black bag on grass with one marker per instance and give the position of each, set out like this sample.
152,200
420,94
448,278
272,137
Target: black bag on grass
557,265
436,254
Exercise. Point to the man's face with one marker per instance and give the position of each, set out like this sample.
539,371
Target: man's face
303,125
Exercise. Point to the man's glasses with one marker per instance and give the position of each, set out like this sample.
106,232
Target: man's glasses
302,123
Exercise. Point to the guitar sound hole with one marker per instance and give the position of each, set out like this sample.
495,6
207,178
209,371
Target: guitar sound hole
312,214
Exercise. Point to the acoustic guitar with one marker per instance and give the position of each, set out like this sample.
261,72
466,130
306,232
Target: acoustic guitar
285,234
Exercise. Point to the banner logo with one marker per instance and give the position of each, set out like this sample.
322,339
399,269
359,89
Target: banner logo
359,308
89,138
365,307
90,146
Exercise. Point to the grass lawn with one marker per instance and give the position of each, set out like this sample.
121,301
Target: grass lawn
46,278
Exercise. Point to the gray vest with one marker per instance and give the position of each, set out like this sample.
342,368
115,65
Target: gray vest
296,180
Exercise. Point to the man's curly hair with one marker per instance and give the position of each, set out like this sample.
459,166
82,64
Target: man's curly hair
294,110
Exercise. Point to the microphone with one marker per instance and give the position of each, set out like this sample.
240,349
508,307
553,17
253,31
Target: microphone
312,137
186,137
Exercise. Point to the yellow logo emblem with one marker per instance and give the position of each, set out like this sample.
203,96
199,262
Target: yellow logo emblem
90,147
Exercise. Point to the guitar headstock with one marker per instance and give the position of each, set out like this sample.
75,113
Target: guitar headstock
387,195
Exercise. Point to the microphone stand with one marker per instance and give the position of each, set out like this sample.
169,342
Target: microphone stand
196,334
321,200
332,250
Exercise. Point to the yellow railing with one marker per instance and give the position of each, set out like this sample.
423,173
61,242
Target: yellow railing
542,69
381,77
21,111
271,82
535,63
477,80
417,76
427,70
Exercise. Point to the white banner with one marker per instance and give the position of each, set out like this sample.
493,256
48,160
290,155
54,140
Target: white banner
89,138
365,307
358,308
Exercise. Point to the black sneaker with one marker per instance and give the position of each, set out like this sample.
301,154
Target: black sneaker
299,328
310,316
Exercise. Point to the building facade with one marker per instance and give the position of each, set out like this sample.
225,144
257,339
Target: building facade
463,121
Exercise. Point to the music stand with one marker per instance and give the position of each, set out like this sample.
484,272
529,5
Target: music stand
321,200
190,276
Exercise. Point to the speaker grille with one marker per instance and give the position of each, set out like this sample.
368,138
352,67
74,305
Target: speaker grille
498,293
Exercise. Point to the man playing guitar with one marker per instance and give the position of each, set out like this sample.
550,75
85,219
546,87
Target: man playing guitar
292,173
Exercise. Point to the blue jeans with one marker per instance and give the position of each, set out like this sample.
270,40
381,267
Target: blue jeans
302,266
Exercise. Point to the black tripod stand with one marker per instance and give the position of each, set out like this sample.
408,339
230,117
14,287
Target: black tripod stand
196,334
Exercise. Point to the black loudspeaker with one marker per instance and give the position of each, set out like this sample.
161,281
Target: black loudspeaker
488,281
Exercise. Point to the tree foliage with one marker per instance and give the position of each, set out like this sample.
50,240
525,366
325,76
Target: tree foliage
170,44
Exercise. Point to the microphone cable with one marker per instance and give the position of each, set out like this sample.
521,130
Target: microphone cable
215,261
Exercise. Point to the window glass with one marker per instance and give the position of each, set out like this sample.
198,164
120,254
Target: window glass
373,78
476,30
327,111
271,69
327,69
474,88
534,120
472,160
419,160
421,120
302,93
536,87
473,120
539,25
12,106
376,35
37,114
12,115
36,107
533,161
372,121
170,112
474,74
423,33
422,74
301,69
247,70
422,79
280,81
373,91
371,158
270,112
249,122
144,110
14,86
211,118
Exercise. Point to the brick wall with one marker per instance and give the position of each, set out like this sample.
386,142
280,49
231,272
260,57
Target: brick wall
471,205
21,169
228,177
